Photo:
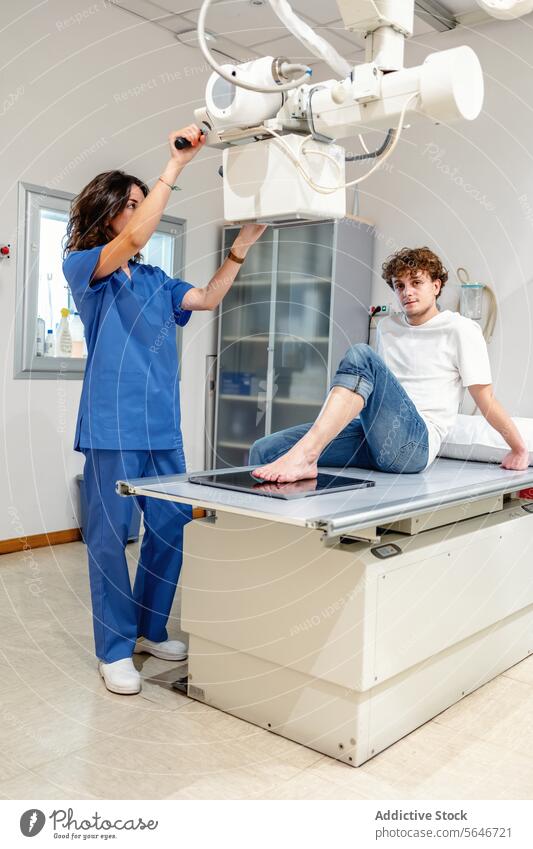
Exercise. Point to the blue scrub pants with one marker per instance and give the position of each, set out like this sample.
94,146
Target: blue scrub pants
389,435
120,614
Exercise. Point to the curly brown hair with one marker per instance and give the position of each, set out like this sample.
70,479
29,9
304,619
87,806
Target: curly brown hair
409,260
91,211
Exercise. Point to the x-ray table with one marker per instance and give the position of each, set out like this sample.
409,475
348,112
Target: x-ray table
346,620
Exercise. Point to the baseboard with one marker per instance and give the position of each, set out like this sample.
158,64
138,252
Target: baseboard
8,546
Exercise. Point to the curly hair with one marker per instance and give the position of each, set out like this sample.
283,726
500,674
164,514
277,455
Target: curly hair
92,210
409,260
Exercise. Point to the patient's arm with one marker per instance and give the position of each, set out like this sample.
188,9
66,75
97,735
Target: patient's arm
518,457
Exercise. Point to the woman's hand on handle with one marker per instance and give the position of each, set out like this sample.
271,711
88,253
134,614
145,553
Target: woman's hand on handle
196,138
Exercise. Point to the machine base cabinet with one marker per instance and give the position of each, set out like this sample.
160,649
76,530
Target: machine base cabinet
343,650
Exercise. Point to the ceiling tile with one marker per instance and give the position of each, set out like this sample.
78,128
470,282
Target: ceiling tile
175,23
459,7
295,50
146,9
176,7
243,25
258,29
335,33
422,27
249,24
321,11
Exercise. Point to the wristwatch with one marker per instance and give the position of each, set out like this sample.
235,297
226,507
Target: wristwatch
232,256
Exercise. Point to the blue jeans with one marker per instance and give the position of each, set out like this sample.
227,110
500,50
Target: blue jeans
389,435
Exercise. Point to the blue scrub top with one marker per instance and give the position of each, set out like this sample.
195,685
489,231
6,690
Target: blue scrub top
130,395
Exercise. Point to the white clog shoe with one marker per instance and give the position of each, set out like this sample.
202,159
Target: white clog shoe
168,650
120,676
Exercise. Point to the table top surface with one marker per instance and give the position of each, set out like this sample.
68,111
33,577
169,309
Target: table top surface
445,483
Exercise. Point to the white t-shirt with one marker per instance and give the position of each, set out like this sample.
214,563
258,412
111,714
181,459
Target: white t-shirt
434,362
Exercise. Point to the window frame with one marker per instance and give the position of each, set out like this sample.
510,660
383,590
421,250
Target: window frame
171,224
31,199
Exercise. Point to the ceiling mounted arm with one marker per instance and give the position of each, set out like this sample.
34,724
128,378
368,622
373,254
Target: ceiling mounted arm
310,39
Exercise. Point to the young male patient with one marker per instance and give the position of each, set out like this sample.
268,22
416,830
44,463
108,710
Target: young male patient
391,410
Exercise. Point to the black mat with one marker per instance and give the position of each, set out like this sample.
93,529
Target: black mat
245,482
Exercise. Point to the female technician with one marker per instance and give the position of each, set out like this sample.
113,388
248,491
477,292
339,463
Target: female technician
129,416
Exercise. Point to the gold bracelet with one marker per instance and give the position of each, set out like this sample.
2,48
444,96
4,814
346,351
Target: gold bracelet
174,188
235,258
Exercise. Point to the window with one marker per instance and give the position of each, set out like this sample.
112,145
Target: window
42,291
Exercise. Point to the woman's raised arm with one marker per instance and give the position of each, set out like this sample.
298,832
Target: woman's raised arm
146,215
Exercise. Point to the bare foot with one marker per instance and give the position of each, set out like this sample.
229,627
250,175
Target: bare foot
293,466
268,488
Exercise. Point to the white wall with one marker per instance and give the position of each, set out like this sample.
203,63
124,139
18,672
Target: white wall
79,97
467,192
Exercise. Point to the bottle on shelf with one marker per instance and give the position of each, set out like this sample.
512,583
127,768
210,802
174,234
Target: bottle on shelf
65,339
39,338
78,338
49,344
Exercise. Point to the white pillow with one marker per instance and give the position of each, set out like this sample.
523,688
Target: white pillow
472,438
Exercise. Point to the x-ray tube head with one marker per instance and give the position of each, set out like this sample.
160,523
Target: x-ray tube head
229,106
451,85
282,157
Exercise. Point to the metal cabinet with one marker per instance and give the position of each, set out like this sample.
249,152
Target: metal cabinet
300,299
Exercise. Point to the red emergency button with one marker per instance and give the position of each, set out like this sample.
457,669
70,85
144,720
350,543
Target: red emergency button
4,250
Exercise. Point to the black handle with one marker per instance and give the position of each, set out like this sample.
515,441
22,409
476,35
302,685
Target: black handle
181,142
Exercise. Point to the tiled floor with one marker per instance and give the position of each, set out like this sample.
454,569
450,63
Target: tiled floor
63,735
